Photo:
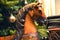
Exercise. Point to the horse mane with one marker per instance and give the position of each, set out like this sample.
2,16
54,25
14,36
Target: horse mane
25,8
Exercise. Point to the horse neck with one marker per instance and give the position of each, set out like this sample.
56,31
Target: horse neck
29,26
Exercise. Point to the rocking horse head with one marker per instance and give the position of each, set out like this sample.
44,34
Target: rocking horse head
36,8
26,17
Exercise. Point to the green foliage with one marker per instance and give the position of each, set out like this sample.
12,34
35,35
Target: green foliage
40,27
1,19
9,3
42,30
1,15
5,32
30,1
2,1
22,3
12,31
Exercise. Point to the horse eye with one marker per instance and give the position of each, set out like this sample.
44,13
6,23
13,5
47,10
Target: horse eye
36,7
40,11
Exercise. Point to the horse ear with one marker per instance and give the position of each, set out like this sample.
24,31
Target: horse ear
35,4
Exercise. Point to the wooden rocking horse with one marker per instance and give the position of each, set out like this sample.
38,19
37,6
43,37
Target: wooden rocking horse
25,21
